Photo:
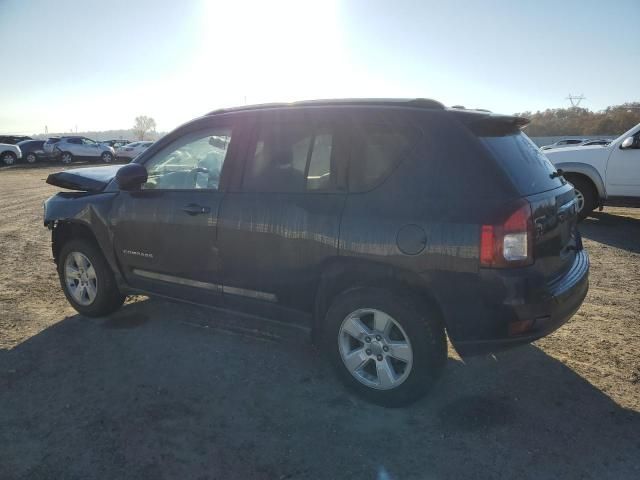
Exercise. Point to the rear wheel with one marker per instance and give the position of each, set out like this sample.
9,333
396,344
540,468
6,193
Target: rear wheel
87,280
386,346
9,158
586,195
66,158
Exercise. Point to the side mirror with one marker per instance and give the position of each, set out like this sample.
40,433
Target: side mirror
628,142
131,176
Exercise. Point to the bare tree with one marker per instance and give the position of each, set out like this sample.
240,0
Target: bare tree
143,125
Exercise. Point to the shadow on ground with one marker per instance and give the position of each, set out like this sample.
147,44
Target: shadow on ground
625,233
161,390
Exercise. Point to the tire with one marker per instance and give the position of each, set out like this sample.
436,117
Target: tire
72,260
381,377
106,157
66,158
9,158
586,194
31,158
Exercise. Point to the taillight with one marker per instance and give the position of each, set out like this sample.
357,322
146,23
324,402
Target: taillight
509,244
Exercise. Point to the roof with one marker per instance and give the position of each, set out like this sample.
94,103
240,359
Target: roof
388,102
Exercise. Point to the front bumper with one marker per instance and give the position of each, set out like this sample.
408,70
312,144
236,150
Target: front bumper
534,315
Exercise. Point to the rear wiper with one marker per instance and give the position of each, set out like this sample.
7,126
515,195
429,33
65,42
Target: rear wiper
557,173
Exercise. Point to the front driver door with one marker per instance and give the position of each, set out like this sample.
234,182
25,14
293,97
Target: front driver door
623,171
165,233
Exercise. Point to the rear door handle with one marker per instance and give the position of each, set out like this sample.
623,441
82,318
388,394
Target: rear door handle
195,209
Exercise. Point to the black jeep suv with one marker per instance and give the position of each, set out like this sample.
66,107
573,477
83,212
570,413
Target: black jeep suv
379,223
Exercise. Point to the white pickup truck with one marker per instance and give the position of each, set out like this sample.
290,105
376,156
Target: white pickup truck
602,174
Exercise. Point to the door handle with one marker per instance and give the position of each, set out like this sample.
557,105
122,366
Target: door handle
195,209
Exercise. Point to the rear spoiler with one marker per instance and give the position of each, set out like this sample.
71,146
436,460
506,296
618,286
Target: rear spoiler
489,124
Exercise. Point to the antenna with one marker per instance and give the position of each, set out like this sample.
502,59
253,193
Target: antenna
575,100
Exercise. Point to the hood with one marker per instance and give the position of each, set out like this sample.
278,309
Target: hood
93,179
582,148
8,146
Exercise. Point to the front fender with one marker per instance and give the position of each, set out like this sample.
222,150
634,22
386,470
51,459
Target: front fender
89,210
588,171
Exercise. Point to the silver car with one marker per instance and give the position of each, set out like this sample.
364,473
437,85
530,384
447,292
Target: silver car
68,149
567,142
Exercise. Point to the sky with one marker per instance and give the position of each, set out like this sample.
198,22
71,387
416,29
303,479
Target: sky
95,65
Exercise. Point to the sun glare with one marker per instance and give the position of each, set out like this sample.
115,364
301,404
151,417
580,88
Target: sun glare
267,51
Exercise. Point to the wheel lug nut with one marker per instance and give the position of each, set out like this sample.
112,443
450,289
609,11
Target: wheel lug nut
367,339
385,348
368,351
378,337
379,357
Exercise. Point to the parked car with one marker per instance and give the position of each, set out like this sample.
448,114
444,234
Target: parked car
9,154
383,225
115,143
32,150
567,142
132,150
67,149
603,175
13,139
596,141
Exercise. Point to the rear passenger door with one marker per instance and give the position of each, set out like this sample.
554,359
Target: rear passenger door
280,221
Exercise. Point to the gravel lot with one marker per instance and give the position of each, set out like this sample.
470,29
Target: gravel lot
163,390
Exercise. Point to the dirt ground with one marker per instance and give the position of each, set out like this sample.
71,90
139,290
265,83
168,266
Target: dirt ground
163,390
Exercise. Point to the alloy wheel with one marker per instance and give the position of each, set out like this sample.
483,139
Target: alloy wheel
8,159
66,158
579,200
375,349
31,158
80,278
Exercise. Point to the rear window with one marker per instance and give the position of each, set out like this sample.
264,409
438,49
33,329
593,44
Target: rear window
520,158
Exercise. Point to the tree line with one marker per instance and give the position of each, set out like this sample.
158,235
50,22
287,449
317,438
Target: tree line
613,120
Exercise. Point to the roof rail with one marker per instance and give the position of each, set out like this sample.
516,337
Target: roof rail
392,102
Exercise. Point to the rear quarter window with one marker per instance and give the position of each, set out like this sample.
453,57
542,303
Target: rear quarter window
378,149
528,168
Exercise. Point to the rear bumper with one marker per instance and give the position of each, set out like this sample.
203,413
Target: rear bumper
528,312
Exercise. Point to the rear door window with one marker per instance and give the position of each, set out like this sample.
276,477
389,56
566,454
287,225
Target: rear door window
528,168
290,157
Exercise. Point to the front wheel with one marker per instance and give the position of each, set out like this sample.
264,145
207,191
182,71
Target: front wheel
9,158
586,196
386,346
87,280
107,157
31,158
